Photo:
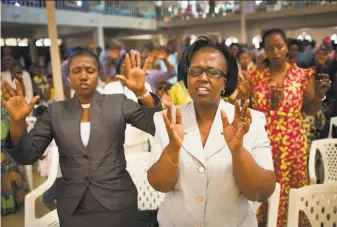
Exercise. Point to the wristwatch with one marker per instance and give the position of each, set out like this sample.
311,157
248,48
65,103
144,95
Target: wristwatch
144,96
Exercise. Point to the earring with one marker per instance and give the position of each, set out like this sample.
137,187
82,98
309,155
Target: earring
223,92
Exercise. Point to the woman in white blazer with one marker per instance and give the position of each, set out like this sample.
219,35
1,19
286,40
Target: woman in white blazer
209,156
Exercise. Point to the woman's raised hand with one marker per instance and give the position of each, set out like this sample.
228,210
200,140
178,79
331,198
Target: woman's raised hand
175,129
234,132
134,78
17,107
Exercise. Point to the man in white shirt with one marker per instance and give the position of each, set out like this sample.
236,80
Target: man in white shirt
9,64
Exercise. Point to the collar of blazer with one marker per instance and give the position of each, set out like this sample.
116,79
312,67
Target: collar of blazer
95,102
215,141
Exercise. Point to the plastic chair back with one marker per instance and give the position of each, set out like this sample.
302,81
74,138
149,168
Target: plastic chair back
51,219
328,151
318,202
137,164
333,121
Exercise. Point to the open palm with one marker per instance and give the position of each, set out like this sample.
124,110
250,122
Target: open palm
15,103
234,132
135,75
175,129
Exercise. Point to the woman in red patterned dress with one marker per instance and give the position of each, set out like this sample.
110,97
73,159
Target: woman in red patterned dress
283,91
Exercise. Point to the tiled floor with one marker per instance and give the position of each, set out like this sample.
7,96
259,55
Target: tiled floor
17,219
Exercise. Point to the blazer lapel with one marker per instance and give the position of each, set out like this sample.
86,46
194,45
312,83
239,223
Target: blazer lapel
73,123
192,140
215,141
75,116
95,122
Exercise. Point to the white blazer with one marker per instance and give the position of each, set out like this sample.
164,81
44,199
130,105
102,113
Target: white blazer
206,193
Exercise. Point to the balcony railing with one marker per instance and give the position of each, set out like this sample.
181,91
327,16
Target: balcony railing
172,10
136,9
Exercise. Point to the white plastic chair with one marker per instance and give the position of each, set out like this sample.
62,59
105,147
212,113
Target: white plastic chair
333,121
137,164
328,150
273,204
318,202
51,219
29,168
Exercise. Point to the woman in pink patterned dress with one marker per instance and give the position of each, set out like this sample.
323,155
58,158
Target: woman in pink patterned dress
283,91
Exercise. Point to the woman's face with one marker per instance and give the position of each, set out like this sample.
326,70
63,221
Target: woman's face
83,74
294,51
203,89
276,49
244,60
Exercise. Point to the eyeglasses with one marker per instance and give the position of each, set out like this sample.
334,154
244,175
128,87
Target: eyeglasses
196,71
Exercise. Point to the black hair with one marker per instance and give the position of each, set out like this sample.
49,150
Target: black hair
240,53
83,51
232,66
271,32
292,42
235,44
182,69
119,65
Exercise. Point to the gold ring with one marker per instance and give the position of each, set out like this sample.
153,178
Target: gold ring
243,118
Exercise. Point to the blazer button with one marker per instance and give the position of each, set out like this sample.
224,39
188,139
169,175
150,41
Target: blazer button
87,178
199,199
201,169
86,156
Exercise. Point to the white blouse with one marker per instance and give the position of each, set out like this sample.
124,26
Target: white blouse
85,132
206,193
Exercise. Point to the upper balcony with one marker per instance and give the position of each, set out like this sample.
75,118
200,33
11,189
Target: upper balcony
108,14
181,14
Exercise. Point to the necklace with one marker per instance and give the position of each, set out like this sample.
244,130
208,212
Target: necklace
85,106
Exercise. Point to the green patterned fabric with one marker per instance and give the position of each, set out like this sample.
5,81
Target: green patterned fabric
14,187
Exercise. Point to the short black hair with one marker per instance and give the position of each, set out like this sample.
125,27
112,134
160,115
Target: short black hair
240,53
232,66
271,32
84,51
235,44
182,69
292,42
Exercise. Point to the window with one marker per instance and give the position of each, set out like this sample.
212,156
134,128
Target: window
193,38
39,43
231,40
22,42
334,38
11,42
256,41
2,42
46,42
304,36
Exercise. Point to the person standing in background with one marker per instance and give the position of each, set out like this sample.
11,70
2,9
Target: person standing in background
13,72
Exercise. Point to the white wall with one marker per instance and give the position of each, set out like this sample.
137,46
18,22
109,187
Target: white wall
81,40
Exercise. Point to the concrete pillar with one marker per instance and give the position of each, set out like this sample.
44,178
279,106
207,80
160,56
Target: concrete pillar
243,24
32,50
98,33
54,50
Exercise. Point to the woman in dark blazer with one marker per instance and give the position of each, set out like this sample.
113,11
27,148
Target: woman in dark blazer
96,189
